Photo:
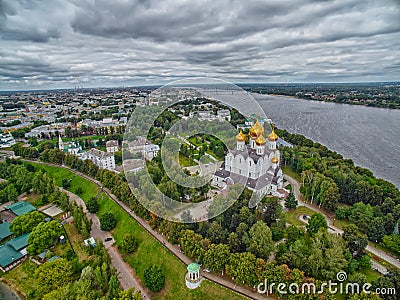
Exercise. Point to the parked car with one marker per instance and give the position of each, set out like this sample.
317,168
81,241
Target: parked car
108,239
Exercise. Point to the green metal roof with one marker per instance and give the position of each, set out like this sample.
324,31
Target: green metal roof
53,258
20,208
193,268
5,230
19,242
8,254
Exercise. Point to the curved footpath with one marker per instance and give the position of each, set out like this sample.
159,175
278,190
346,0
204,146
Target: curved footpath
379,253
125,274
252,294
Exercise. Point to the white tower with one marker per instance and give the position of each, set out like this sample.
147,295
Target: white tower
240,141
260,145
60,143
272,138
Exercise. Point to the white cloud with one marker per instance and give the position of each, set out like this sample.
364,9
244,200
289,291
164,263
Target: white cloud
62,44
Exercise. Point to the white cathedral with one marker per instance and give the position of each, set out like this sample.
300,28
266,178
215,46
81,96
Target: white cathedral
256,165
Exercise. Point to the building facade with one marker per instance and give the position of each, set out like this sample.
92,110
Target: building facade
254,163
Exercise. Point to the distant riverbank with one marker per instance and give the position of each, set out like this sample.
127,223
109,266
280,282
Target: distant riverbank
367,135
348,101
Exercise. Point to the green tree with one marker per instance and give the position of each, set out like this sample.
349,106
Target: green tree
12,193
242,268
316,222
26,222
356,241
66,183
129,295
52,275
376,229
129,243
271,209
261,243
113,287
107,221
154,278
43,236
92,205
216,257
291,201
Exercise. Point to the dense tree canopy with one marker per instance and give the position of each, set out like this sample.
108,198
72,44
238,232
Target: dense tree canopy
26,222
107,221
154,278
43,236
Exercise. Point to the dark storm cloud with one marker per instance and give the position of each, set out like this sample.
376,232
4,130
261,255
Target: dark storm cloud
98,42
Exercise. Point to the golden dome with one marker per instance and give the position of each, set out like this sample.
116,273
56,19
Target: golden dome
256,130
261,140
241,136
275,160
272,136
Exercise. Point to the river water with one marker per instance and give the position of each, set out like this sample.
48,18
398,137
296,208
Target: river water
369,136
8,293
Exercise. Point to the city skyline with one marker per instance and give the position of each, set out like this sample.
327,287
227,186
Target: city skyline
63,44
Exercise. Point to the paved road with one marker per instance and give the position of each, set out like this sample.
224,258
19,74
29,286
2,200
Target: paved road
379,253
125,273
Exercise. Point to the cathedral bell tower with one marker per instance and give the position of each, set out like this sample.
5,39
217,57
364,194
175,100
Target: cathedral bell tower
260,144
272,138
240,141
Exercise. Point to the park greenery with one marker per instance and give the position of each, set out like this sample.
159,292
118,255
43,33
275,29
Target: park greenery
107,221
154,278
67,277
337,185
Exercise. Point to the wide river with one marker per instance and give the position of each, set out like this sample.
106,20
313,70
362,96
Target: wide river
369,136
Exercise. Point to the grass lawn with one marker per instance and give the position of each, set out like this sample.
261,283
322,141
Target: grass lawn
89,188
292,215
341,223
151,252
289,171
32,199
22,277
76,240
370,274
185,161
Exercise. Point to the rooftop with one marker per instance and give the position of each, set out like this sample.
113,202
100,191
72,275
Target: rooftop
193,268
5,230
8,255
19,242
20,208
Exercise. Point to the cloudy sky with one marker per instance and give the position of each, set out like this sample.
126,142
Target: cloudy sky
60,43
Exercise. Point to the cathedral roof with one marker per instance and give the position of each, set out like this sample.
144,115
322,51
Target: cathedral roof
272,136
256,130
248,152
241,137
261,140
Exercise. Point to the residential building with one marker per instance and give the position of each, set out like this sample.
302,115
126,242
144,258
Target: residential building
100,158
112,146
